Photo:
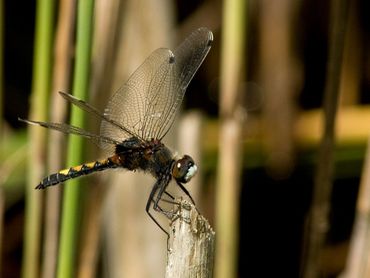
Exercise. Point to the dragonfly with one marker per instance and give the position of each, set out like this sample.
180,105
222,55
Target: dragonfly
136,119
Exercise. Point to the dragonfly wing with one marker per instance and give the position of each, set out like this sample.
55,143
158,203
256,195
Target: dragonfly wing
147,103
130,105
69,129
189,55
118,127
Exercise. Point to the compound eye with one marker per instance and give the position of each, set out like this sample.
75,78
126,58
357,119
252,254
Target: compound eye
184,169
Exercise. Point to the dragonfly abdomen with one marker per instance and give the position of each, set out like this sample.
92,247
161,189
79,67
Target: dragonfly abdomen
77,171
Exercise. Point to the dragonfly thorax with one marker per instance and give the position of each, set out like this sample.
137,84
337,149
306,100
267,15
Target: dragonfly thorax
184,169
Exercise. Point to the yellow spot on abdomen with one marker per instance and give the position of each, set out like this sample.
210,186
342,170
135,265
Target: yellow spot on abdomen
90,165
64,172
77,168
103,161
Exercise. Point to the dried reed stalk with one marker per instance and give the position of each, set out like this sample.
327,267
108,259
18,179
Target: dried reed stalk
56,148
191,250
230,138
358,263
318,219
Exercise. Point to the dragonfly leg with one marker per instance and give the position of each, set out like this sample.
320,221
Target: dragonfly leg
147,209
169,195
170,202
162,190
186,192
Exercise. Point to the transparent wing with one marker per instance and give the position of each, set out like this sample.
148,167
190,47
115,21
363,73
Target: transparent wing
189,55
129,106
147,103
70,129
104,144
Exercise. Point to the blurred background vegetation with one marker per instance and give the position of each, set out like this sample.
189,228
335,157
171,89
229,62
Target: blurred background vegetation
277,118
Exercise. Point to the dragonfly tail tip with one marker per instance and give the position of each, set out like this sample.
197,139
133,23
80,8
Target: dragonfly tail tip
40,186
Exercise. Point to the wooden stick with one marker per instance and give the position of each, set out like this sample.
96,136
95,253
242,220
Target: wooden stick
358,264
191,249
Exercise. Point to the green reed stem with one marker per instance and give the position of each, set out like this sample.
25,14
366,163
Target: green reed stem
70,212
42,65
1,65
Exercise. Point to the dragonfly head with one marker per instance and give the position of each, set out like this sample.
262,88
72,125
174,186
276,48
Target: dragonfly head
184,169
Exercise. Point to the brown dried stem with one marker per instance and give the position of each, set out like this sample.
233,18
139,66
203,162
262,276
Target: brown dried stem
191,249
